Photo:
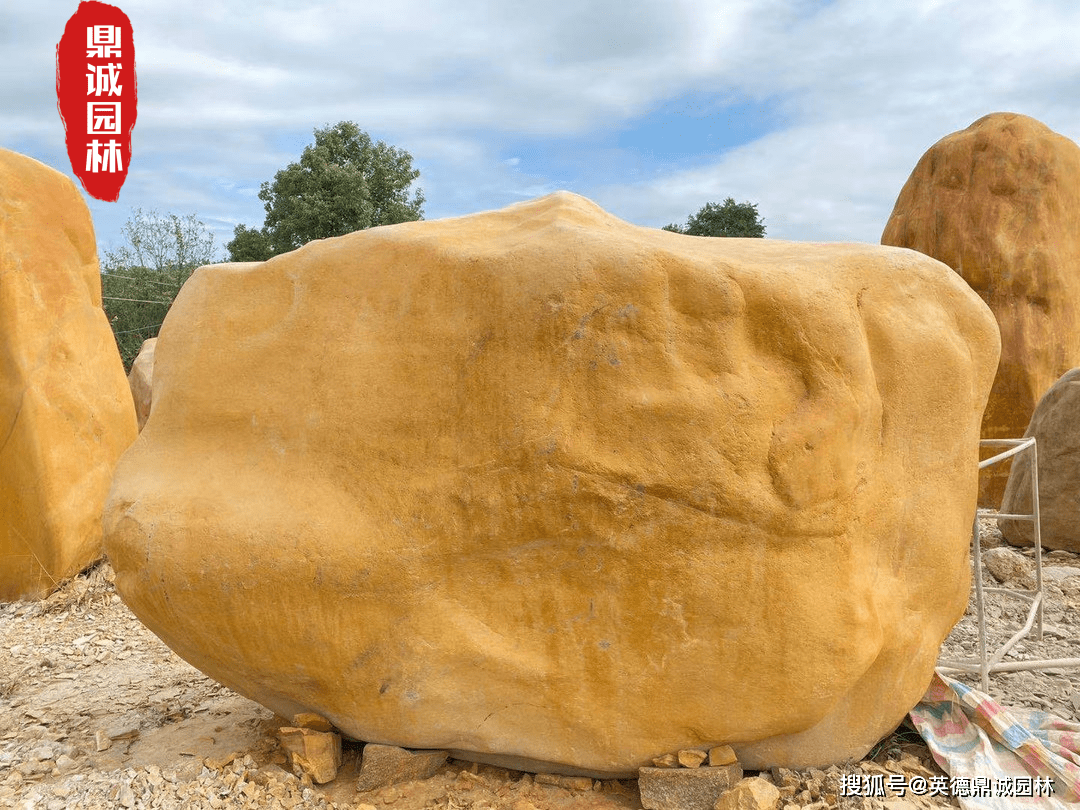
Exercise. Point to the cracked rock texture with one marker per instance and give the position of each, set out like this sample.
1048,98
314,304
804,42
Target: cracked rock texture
66,413
999,202
539,487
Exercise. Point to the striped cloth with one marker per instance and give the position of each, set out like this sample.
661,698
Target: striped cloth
999,758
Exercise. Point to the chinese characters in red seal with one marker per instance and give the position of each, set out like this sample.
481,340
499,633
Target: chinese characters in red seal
96,95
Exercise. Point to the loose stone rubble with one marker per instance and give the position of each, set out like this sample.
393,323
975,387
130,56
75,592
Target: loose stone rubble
753,793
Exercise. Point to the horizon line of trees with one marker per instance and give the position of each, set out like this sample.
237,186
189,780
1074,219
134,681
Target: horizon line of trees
342,183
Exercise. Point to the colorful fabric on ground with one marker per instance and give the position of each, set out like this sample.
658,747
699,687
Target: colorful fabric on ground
999,758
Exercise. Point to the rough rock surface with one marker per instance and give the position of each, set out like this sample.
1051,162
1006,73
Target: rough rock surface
1007,566
314,753
999,202
542,487
685,788
141,380
753,793
384,765
65,411
1056,428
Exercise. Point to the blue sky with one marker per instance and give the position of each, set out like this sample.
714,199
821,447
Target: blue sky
816,111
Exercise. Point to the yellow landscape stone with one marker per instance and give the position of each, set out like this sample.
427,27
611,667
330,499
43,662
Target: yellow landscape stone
66,413
540,487
999,202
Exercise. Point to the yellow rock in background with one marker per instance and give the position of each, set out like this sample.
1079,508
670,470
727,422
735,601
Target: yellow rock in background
66,413
999,202
141,380
547,489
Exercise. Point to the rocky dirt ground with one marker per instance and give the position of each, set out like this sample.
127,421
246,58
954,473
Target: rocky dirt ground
95,712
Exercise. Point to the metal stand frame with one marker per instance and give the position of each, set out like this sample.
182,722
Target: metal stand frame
985,665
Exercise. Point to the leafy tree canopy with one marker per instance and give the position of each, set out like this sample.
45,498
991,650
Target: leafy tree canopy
342,183
729,219
249,245
140,279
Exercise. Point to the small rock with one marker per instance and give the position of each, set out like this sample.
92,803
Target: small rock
685,788
314,754
41,753
219,762
722,755
568,782
126,728
666,761
753,793
102,741
785,778
316,722
1058,573
1009,567
384,765
575,782
691,757
64,763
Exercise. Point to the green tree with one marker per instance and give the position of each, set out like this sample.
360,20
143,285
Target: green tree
342,183
729,219
140,279
249,245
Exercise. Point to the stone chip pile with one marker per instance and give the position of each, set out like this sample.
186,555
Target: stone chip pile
241,785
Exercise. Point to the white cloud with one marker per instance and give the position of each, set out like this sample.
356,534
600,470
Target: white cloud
229,93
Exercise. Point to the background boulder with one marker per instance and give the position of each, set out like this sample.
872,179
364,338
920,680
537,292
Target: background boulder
141,380
999,202
1056,428
65,410
549,490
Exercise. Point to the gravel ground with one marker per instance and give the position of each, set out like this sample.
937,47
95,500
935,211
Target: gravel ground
1056,691
95,712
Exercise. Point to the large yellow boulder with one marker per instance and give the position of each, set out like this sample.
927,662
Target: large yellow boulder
544,488
999,202
66,413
